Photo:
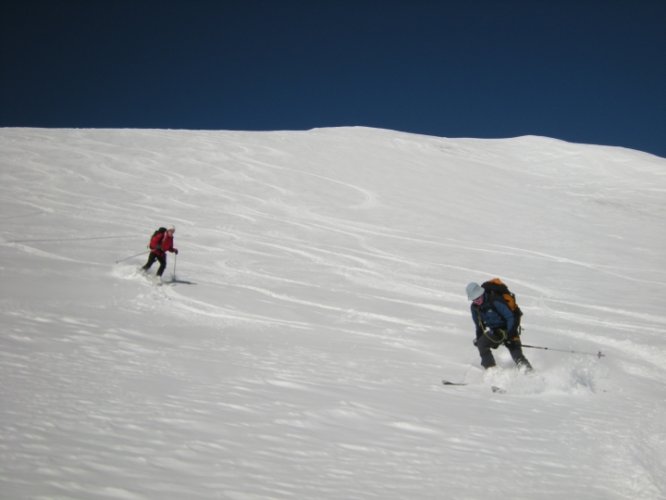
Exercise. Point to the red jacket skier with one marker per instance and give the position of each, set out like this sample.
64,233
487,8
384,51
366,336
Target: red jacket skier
160,243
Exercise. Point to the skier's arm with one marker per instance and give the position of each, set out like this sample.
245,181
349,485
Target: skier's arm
475,318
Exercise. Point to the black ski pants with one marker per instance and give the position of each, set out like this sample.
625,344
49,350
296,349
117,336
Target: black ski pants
151,260
485,343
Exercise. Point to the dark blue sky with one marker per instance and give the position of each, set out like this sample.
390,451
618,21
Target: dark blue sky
590,71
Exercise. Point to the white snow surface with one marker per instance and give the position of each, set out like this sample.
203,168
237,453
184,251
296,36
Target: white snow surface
319,302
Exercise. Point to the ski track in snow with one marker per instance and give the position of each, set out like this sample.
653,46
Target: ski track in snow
320,303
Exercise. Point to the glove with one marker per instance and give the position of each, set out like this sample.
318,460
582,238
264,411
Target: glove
510,342
175,250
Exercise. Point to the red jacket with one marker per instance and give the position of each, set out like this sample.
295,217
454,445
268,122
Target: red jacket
161,243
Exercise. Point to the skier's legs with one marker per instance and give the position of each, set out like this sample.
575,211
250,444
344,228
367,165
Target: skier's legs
151,260
516,350
484,344
163,263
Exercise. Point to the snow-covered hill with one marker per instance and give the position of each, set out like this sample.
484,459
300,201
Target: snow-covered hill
320,302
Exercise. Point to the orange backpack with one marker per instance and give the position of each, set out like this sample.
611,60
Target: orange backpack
496,289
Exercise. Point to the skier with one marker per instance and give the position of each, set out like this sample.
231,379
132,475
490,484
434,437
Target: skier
160,243
495,324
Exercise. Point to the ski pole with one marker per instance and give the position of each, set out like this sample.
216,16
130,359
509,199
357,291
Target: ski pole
175,259
598,354
131,257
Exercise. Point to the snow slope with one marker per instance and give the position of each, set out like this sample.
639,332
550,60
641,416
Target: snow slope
320,301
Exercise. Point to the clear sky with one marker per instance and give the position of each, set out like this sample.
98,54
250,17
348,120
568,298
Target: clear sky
589,71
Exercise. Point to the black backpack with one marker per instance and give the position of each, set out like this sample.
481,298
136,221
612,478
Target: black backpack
158,243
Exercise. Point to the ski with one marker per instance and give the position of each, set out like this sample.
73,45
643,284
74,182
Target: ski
448,382
175,281
496,389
